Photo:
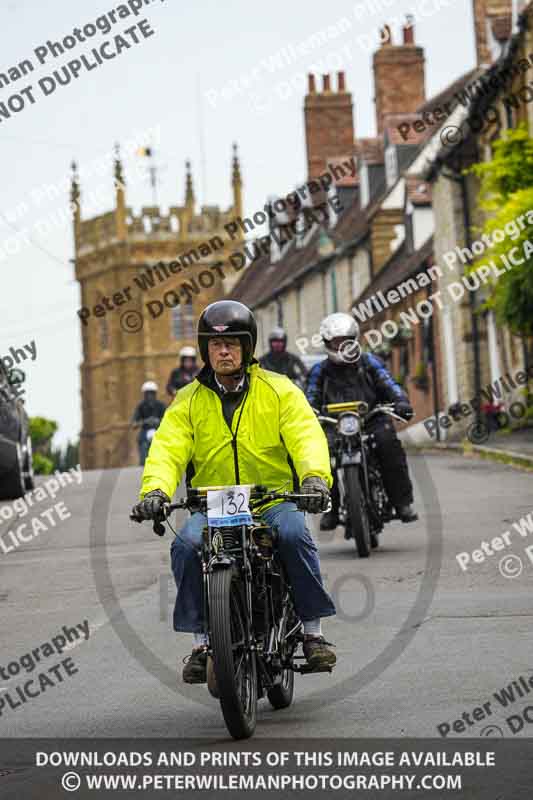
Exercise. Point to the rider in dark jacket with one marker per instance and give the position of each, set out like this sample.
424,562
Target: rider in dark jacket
347,374
147,417
278,359
185,373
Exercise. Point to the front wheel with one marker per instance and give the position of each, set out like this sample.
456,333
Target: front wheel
233,661
356,510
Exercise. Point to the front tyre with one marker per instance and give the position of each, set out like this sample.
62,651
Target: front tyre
234,663
29,477
356,510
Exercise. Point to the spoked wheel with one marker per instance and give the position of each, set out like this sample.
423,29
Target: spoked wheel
234,663
281,695
357,511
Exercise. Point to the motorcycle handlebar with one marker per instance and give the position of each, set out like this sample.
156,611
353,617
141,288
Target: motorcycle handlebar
260,493
385,409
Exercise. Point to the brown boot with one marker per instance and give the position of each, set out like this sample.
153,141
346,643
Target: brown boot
318,654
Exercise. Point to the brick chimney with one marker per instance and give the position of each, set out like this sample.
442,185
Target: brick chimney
329,125
492,27
399,75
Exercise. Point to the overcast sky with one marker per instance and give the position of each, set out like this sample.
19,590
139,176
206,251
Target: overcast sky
212,73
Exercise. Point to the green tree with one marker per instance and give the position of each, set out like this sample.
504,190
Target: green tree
41,432
506,193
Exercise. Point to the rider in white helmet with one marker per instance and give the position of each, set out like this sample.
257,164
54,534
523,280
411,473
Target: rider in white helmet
348,374
185,373
147,417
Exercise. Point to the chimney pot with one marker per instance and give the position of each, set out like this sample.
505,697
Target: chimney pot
409,30
385,36
311,84
341,85
326,86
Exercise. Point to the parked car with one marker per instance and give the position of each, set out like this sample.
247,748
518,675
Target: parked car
16,467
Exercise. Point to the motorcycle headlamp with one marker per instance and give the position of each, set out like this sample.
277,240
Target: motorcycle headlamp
349,425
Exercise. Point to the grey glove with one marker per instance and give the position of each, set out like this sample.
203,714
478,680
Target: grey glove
314,485
150,507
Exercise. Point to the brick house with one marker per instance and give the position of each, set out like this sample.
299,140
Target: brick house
385,227
476,350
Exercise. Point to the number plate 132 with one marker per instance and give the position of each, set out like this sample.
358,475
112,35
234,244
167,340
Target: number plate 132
229,506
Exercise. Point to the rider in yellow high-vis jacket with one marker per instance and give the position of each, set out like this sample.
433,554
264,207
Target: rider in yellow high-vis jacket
239,424
273,421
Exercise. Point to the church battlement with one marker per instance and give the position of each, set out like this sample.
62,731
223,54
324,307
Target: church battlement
151,224
181,224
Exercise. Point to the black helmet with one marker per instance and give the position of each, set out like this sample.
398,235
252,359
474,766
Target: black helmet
227,318
277,334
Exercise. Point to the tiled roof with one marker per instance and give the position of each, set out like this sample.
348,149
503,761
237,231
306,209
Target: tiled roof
262,280
447,94
393,121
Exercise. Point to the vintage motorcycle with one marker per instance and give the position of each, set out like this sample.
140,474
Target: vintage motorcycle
364,505
251,623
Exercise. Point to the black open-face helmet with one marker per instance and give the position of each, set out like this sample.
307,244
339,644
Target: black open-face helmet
228,318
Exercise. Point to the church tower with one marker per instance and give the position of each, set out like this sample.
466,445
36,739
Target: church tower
144,280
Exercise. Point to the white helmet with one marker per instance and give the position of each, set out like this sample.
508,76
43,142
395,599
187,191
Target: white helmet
187,352
345,325
149,386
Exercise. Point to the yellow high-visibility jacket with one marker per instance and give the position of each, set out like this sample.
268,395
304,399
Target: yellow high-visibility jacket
272,428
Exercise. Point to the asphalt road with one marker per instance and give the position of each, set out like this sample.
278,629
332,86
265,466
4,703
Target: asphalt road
418,640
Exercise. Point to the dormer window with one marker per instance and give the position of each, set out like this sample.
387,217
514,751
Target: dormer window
391,165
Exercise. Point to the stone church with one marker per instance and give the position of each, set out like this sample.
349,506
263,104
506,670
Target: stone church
144,281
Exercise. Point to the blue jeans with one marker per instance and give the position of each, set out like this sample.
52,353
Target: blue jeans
297,551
